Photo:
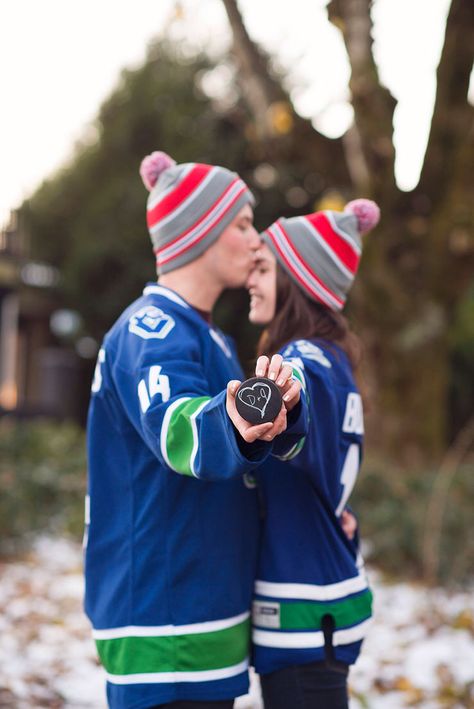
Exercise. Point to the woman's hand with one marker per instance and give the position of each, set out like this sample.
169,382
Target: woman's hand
250,433
281,374
348,524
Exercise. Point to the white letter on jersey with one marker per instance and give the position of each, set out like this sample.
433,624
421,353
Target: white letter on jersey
348,475
157,384
354,416
97,381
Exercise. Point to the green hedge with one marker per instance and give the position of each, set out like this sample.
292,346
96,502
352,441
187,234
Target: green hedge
43,480
392,506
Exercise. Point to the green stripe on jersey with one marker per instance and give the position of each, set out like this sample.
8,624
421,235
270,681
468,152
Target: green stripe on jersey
181,436
294,450
193,652
297,374
307,615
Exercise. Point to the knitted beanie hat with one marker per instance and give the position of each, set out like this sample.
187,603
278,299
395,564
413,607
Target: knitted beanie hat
321,251
189,206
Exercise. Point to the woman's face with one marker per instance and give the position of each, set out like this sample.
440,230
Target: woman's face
261,285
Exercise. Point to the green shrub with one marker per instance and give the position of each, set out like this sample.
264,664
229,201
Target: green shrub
42,479
392,506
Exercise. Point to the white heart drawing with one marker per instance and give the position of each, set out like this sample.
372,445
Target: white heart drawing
263,394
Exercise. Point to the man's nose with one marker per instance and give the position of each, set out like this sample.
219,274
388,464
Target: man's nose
254,239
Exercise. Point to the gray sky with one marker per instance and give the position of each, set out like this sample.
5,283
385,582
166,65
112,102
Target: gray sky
59,59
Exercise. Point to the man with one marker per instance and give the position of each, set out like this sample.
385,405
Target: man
172,524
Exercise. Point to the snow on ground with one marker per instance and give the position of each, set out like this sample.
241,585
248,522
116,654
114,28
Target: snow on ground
419,653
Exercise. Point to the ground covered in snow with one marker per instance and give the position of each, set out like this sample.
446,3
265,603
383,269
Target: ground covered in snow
420,651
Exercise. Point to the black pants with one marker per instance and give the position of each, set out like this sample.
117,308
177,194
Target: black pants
317,685
185,704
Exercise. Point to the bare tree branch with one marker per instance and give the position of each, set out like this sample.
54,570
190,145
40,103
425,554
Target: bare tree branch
260,90
373,105
415,272
283,133
439,499
453,115
356,163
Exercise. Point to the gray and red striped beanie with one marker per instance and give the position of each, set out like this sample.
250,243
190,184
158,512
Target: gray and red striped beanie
321,251
188,207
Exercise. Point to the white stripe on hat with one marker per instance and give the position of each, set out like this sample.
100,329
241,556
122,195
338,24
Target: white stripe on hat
314,286
154,200
185,204
322,242
347,238
205,224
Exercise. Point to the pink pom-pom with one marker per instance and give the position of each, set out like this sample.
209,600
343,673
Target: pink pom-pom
152,166
366,211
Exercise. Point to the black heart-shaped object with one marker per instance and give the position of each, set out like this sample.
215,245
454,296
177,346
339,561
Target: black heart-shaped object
258,400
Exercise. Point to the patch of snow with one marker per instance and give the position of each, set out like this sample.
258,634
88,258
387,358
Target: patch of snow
419,650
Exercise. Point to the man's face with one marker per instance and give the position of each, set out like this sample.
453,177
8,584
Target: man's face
233,253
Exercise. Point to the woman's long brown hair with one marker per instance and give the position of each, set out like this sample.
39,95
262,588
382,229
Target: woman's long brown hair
299,318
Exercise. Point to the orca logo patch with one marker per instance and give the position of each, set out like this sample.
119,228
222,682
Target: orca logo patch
151,322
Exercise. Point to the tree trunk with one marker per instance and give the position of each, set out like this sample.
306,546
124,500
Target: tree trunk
418,262
283,136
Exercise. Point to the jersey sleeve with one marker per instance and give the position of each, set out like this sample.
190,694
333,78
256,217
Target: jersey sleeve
290,443
165,394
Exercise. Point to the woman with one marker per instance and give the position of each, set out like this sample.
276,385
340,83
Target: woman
312,603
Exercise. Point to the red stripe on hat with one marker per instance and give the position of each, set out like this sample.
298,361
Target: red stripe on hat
183,234
178,195
349,257
199,237
296,274
303,266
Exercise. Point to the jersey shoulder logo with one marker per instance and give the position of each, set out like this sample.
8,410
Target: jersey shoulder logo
309,351
151,322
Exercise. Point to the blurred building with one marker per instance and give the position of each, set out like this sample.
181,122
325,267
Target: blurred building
38,375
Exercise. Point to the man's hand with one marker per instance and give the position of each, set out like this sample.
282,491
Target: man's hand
282,376
250,433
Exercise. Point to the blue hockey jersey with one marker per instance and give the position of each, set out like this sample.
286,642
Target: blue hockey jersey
172,522
308,569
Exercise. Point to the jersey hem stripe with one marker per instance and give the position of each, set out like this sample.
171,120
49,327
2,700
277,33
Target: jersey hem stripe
176,677
306,591
143,631
283,640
